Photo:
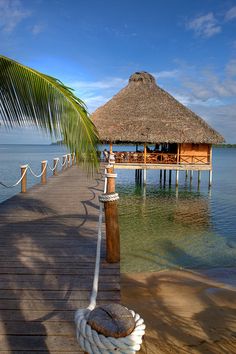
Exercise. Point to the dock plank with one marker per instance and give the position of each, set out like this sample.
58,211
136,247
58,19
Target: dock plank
47,256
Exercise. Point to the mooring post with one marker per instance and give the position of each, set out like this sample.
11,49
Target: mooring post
68,160
177,178
24,179
111,179
64,160
55,163
73,159
44,172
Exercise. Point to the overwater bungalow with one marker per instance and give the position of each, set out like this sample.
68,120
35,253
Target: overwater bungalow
167,135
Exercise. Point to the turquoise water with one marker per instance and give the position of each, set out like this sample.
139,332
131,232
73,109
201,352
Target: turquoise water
189,227
12,156
161,226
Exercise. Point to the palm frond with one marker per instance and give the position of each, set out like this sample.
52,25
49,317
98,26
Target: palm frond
30,97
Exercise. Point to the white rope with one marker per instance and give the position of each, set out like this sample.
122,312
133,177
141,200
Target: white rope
63,164
111,197
34,174
55,166
90,341
15,184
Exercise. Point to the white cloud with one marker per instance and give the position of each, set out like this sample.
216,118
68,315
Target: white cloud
109,83
204,26
166,74
36,29
230,14
11,14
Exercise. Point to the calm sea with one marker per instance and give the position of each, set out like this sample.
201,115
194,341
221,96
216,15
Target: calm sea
161,226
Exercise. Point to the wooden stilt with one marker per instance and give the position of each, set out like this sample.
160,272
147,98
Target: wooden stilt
210,178
24,179
199,177
170,174
44,170
191,175
145,176
177,178
186,174
164,176
160,176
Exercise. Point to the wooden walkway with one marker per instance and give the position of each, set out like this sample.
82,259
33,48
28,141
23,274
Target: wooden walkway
47,256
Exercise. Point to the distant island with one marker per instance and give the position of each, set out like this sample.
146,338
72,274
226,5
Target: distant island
224,146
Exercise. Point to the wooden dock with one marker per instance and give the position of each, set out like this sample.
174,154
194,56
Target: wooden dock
48,243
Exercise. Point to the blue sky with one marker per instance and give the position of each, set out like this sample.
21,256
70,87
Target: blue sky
94,46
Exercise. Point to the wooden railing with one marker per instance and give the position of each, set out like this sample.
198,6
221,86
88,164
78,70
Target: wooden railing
159,158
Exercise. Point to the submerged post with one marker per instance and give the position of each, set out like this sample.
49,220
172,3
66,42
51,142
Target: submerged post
210,178
24,178
199,177
170,175
44,172
55,163
144,176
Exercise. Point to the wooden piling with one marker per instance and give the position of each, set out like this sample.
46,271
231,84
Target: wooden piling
191,176
111,180
24,179
55,163
210,178
44,172
64,160
164,176
144,176
177,178
112,232
199,177
170,175
68,160
160,176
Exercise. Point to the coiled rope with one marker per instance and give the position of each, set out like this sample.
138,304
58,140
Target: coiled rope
89,339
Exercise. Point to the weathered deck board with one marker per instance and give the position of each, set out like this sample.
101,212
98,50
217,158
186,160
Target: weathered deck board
47,254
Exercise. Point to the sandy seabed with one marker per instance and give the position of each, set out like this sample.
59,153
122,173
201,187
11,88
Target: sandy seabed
184,311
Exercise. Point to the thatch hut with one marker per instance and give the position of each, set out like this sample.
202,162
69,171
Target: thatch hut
142,112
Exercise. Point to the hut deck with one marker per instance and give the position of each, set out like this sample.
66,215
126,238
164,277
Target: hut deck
177,167
48,246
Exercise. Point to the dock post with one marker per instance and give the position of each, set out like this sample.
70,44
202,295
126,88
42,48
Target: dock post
186,174
144,176
55,163
164,177
160,176
77,158
199,177
177,178
64,159
73,159
68,160
24,179
44,172
170,174
112,231
191,176
210,178
111,179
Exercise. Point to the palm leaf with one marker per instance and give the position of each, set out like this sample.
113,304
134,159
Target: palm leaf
29,97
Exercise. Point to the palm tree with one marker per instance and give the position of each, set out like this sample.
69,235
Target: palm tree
29,97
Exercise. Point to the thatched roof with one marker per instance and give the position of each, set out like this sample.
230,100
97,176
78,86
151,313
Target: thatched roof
143,112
